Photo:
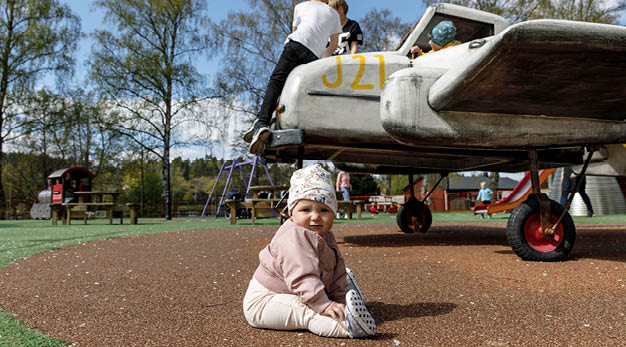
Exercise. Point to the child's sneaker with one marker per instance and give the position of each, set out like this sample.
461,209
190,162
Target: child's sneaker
247,137
261,134
352,283
358,319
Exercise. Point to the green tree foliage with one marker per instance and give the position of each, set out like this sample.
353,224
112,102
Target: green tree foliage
600,11
36,37
398,183
207,166
68,127
146,68
494,179
363,184
142,184
382,31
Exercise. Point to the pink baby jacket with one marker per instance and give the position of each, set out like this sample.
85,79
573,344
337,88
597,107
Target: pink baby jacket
301,262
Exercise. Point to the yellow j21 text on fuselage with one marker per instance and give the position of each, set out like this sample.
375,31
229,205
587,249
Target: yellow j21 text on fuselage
357,83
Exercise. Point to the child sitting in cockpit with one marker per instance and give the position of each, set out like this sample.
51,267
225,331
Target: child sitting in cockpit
442,36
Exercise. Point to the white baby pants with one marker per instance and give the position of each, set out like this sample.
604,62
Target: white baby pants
266,309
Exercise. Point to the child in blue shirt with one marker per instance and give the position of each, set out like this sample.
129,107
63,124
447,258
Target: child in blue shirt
484,196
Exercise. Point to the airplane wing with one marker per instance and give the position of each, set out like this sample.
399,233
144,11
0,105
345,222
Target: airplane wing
541,67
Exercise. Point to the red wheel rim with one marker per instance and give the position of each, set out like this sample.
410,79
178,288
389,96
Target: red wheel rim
532,232
415,219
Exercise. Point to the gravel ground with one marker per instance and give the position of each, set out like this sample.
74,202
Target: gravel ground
457,285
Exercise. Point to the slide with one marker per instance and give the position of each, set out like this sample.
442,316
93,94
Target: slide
518,195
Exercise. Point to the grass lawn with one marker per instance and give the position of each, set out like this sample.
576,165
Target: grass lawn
21,239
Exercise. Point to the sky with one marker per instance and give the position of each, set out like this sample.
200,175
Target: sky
92,18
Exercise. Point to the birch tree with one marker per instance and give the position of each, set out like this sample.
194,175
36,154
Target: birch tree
144,65
37,37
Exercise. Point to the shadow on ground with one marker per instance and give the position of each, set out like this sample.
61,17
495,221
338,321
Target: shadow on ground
392,312
436,236
607,243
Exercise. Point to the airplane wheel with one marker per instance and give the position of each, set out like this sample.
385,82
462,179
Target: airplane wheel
414,216
523,232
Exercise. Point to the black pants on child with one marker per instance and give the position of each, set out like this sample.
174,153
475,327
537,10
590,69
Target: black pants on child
294,54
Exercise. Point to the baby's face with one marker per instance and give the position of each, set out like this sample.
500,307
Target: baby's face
313,215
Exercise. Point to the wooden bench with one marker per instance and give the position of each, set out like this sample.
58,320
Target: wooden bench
67,210
348,206
256,204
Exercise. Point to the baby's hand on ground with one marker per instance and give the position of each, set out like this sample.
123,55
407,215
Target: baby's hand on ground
335,311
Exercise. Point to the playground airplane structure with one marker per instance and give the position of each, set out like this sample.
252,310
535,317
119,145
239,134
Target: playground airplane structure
534,95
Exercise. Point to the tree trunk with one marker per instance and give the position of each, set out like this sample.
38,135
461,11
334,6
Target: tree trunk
166,181
167,194
44,159
494,179
4,87
142,186
3,200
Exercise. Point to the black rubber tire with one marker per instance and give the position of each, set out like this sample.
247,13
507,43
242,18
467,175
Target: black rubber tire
410,209
516,227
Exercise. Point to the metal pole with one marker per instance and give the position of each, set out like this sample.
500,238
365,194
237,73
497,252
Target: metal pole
534,171
256,160
268,175
300,157
571,196
230,175
208,201
435,186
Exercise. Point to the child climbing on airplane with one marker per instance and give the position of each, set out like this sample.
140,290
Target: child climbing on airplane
314,22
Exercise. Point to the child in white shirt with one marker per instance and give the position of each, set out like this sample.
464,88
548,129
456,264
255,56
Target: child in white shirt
314,23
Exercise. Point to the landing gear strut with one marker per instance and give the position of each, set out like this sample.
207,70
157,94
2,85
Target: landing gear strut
541,229
414,215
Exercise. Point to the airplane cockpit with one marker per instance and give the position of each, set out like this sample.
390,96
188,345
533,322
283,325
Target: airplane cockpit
466,30
470,25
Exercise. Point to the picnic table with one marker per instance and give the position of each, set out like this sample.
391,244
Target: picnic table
88,203
96,196
275,204
255,190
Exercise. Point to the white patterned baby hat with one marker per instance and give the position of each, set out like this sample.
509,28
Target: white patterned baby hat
312,183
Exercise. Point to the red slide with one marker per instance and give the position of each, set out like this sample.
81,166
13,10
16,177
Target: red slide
518,195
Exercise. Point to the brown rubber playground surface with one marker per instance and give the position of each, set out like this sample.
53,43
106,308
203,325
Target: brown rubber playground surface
457,285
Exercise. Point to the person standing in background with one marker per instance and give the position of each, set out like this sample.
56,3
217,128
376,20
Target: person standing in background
343,185
581,190
567,184
484,196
